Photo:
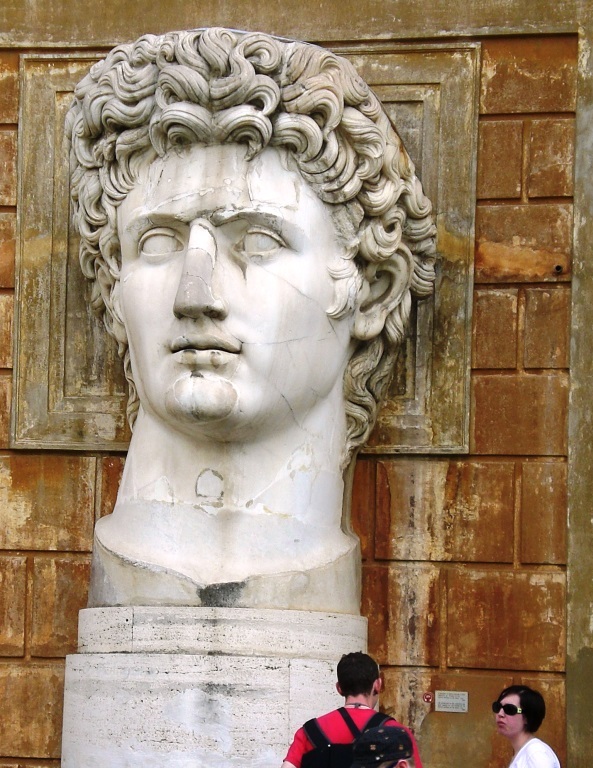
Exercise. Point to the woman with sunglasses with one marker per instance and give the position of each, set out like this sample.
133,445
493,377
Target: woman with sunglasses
519,713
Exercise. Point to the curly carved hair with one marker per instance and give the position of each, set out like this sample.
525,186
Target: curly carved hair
216,86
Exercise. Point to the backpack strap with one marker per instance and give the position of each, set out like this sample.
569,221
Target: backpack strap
315,734
347,718
377,720
317,737
319,740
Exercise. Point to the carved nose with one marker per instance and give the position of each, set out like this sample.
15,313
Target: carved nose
196,293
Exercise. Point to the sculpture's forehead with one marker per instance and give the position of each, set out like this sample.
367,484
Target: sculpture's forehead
200,179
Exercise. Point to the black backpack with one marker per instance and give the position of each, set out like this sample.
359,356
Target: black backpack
327,755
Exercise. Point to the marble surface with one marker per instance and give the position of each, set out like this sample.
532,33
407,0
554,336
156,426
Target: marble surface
199,687
302,634
254,231
232,491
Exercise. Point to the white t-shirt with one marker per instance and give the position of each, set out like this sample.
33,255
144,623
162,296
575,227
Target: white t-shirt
535,754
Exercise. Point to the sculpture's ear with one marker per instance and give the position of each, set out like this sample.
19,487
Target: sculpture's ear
383,287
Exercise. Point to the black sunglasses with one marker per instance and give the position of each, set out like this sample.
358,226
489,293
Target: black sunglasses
508,709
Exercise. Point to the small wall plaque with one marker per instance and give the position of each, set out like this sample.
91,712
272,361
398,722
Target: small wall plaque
451,701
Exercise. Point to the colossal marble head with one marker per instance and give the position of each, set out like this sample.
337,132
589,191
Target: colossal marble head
162,95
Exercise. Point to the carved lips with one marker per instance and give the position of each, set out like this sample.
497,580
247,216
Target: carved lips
204,349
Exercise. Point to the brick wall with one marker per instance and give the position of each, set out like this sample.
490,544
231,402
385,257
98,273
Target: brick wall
464,578
464,557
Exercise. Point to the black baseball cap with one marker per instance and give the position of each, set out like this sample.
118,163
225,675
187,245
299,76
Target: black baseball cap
378,745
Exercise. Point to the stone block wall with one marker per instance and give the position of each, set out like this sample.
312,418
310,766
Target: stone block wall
464,556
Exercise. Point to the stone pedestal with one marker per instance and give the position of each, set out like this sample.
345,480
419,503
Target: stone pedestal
199,687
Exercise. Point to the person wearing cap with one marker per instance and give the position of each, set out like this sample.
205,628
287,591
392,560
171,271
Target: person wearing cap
360,683
384,747
519,713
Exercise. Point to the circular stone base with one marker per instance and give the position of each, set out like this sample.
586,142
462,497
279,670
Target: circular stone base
199,687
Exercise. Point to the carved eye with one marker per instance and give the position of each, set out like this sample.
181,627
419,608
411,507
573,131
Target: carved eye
159,243
260,243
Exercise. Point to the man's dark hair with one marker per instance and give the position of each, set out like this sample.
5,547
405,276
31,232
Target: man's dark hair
356,673
531,702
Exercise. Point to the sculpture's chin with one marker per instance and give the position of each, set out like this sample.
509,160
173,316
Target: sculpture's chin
201,398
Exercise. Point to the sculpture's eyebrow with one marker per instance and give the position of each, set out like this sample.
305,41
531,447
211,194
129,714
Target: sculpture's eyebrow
269,217
283,220
142,222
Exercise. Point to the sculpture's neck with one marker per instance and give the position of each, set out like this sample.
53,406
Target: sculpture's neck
261,519
294,472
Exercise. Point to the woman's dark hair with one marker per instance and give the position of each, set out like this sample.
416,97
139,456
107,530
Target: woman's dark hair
531,702
356,673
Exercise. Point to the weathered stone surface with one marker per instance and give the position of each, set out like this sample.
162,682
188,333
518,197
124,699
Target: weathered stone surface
500,159
111,468
8,147
60,587
523,75
547,327
46,502
65,368
405,602
523,243
363,504
478,511
495,328
33,764
30,725
9,87
196,685
410,502
7,249
543,512
500,263
446,733
5,399
212,631
374,605
6,317
155,709
551,153
13,585
506,619
402,697
73,24
520,414
445,510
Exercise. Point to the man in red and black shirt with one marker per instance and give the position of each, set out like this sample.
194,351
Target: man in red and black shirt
360,683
